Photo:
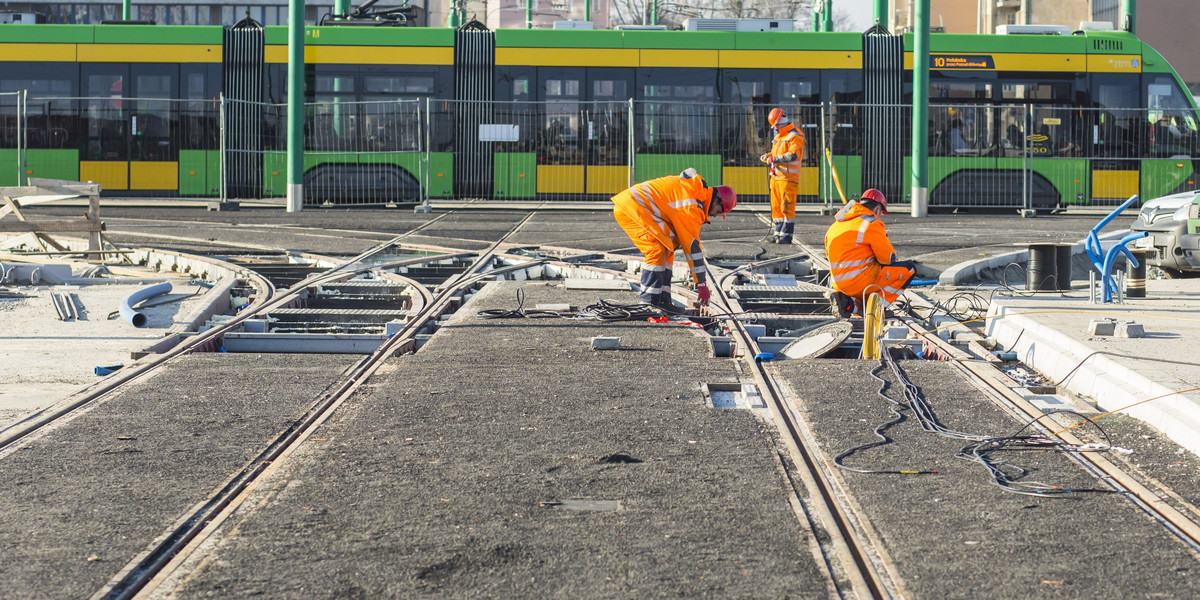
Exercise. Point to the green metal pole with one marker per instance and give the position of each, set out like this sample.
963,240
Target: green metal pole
295,97
528,14
587,10
341,7
881,13
654,12
920,126
127,10
827,16
1129,16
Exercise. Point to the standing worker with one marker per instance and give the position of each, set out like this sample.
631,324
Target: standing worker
666,213
861,258
783,163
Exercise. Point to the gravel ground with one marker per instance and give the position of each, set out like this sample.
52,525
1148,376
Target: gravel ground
80,501
445,480
955,535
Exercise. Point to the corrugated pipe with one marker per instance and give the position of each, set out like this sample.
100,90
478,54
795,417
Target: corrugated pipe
136,318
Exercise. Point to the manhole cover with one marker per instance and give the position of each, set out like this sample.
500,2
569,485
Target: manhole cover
820,341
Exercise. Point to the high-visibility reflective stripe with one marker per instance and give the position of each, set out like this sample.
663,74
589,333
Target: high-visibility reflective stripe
685,202
840,277
846,264
892,290
641,193
652,290
654,268
698,269
788,221
862,229
695,256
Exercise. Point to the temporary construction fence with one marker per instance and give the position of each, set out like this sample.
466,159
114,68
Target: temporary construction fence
981,155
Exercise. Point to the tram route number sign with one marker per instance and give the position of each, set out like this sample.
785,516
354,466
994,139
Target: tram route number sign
962,61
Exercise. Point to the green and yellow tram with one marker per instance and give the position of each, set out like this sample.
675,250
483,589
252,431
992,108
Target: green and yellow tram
1052,120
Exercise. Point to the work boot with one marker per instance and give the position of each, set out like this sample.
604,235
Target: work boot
771,239
842,305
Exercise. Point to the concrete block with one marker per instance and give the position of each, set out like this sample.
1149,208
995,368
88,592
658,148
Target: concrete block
1130,329
722,346
1028,213
553,307
254,326
755,330
422,208
218,205
1102,327
393,327
606,343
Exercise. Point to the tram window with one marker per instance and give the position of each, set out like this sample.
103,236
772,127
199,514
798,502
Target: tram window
559,125
154,120
105,117
960,90
1172,121
1117,122
399,85
1039,90
746,100
679,115
608,115
842,86
50,122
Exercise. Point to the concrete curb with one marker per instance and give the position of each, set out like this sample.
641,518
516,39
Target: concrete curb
1098,376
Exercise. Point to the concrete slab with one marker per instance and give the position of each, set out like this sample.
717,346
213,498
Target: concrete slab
47,359
1155,378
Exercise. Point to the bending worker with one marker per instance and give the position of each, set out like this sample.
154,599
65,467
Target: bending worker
861,259
666,213
783,161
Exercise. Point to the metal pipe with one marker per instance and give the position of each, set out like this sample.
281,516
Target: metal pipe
920,129
134,317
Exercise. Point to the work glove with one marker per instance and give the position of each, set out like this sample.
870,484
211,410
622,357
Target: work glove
703,294
766,158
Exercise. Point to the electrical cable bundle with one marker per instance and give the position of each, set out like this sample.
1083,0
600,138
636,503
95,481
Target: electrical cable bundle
980,449
519,312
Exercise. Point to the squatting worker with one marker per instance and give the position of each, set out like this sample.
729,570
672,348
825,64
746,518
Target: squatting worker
783,163
861,259
666,213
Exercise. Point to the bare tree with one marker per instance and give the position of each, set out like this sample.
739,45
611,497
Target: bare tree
672,13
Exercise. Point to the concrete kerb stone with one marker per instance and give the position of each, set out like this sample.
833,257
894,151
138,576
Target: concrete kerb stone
968,272
1096,375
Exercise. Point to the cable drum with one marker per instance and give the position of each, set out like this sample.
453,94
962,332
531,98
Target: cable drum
1042,274
1063,257
1135,282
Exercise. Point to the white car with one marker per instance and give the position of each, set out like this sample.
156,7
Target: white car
1170,245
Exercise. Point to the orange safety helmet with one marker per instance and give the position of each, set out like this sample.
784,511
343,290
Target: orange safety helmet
875,195
727,197
775,116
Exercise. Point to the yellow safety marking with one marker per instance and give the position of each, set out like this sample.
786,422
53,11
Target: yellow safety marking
1114,184
568,57
144,175
37,52
607,179
365,55
1114,63
109,174
810,181
560,179
747,180
678,58
150,53
789,59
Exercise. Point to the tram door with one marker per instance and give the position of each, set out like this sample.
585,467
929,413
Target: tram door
560,165
129,120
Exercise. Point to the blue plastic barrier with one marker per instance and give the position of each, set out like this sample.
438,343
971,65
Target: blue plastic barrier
1103,261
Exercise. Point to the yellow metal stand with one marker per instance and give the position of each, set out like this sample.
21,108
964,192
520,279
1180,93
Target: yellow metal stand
872,327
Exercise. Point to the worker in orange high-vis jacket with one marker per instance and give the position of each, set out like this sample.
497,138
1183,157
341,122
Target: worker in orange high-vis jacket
666,213
861,258
783,164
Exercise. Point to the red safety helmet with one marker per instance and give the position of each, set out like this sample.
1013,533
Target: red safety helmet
727,197
877,196
775,115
